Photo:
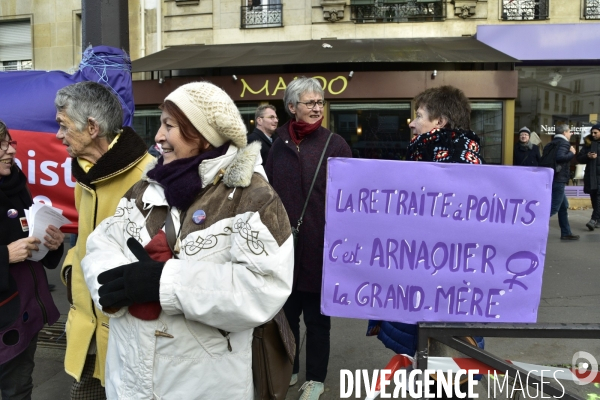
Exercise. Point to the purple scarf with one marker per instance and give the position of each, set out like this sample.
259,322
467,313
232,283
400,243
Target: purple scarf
181,178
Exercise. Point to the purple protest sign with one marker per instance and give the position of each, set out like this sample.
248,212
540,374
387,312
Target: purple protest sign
418,241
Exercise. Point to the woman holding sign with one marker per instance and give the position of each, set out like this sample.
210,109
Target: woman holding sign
292,166
25,300
443,134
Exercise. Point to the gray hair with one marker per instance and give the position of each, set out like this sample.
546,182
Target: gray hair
561,129
3,130
262,108
83,100
298,87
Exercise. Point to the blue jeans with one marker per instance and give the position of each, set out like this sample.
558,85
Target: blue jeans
560,205
16,382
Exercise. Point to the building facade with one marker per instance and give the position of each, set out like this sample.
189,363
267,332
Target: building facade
369,101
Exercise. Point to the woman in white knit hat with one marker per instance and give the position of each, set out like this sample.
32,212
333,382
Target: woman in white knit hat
198,253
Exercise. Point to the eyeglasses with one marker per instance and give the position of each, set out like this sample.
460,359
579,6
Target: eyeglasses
5,143
272,117
311,104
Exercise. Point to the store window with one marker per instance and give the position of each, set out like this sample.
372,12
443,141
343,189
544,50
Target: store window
373,130
575,92
146,124
578,90
486,122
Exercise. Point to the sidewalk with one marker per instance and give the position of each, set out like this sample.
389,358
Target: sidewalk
570,294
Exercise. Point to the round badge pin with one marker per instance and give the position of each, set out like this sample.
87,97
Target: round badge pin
198,217
12,213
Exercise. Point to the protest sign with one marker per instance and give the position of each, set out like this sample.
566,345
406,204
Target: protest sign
417,241
27,109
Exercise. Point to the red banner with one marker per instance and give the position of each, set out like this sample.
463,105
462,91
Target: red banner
45,162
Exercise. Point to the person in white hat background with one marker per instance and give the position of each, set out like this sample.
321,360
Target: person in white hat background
198,253
526,153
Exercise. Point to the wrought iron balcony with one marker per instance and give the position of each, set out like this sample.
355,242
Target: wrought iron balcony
591,9
524,10
364,11
263,16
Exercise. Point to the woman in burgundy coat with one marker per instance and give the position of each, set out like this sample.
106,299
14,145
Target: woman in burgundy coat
291,166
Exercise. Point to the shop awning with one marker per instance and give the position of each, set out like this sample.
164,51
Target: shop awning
412,50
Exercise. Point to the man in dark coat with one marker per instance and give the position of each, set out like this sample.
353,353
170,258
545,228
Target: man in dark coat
526,153
591,179
266,124
562,174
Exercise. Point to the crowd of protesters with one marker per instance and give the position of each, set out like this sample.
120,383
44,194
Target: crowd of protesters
164,266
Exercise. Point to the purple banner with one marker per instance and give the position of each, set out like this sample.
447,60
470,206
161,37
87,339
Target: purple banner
417,241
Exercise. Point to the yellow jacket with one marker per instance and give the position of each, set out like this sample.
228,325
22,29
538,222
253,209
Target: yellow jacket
97,194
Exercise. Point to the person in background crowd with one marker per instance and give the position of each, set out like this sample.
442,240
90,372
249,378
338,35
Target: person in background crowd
266,124
591,178
291,166
106,161
562,174
526,153
184,301
442,126
25,300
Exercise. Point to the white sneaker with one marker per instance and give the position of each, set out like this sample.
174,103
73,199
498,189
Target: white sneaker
294,379
312,390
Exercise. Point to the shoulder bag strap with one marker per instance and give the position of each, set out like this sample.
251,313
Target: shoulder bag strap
170,232
297,228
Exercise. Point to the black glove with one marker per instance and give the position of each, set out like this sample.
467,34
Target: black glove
138,282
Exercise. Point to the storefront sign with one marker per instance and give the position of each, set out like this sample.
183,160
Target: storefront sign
576,130
333,86
416,241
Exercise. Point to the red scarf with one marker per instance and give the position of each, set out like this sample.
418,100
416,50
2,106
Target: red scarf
300,129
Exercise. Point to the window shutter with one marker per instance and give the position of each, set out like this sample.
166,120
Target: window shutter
15,41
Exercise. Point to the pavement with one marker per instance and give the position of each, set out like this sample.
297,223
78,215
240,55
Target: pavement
570,294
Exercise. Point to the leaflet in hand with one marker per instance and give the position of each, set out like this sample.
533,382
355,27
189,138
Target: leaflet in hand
39,217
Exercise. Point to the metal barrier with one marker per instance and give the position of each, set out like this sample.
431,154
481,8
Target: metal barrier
449,333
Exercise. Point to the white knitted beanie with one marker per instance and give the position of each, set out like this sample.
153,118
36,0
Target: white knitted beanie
212,112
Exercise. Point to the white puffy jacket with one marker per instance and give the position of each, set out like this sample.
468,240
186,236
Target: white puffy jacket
234,272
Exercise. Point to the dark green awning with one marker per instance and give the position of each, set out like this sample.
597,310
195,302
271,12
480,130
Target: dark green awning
420,50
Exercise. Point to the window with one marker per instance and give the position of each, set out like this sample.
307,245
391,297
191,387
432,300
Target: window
578,91
373,130
262,14
366,11
556,102
576,107
591,9
523,10
15,45
146,124
486,122
546,100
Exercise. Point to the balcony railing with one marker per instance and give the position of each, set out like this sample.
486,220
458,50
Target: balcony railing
365,11
524,10
591,9
263,16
